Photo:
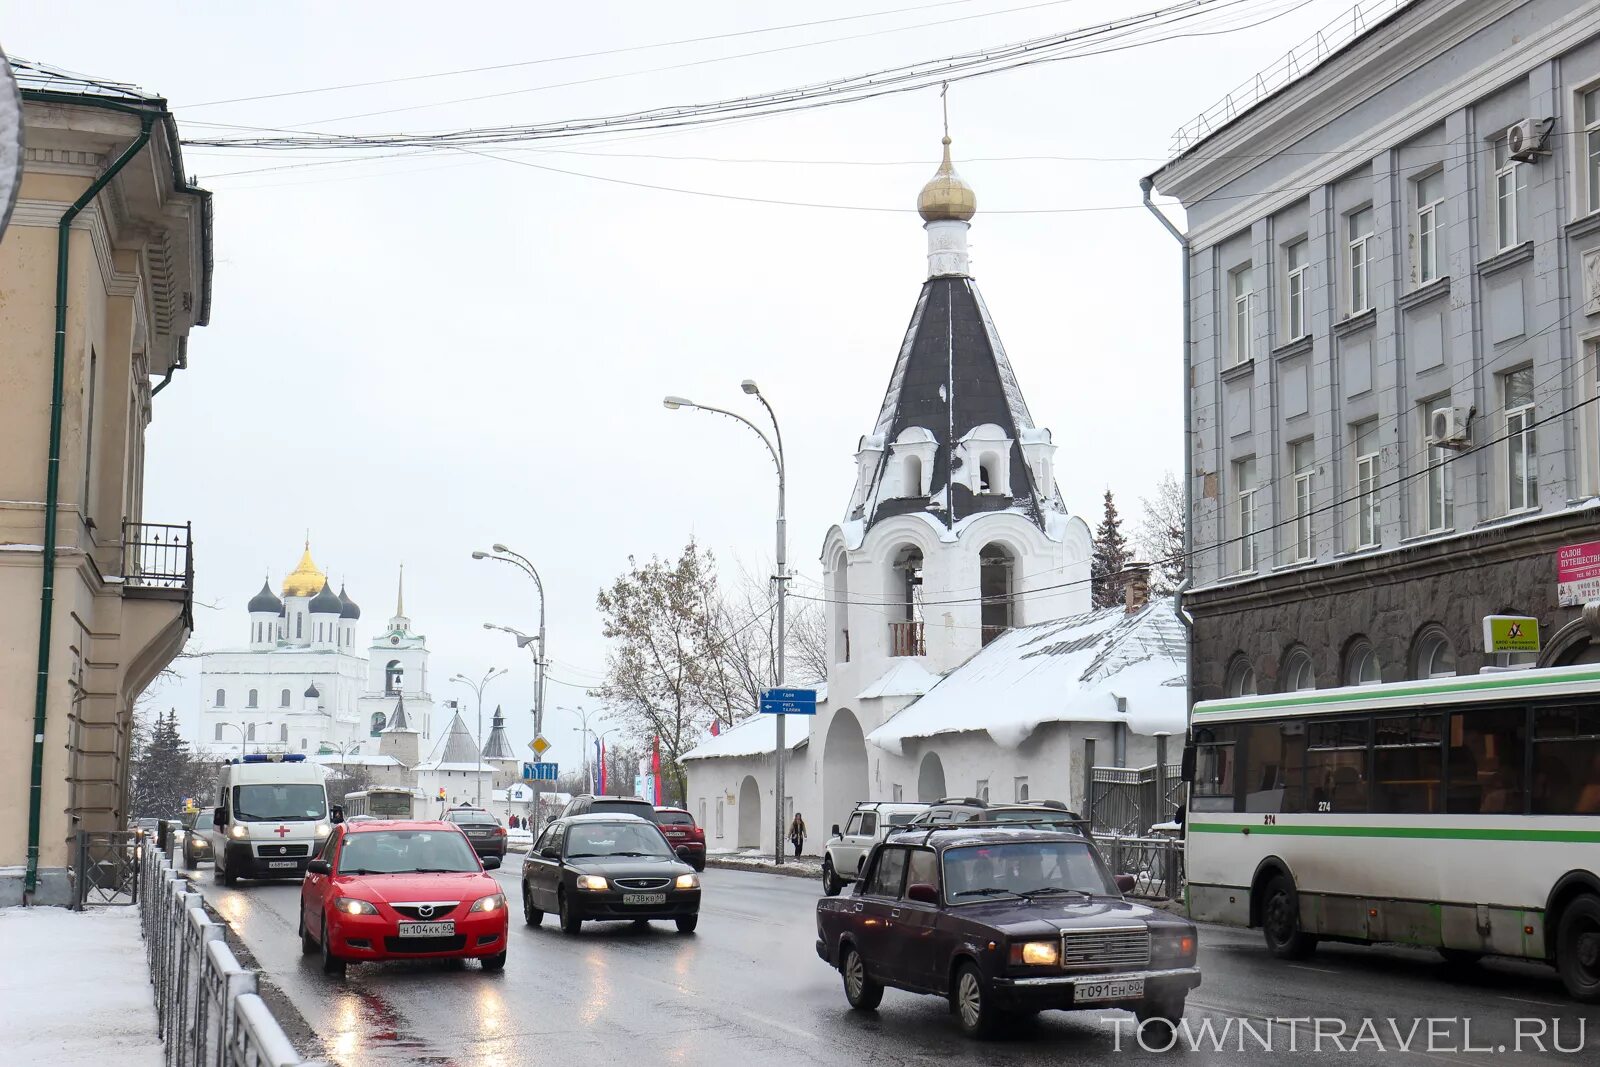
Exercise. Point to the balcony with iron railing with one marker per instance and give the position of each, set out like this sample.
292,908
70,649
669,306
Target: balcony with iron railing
905,639
158,562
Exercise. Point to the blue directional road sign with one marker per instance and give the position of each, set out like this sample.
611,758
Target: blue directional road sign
789,701
540,772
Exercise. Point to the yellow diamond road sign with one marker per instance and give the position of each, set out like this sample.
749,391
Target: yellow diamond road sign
539,745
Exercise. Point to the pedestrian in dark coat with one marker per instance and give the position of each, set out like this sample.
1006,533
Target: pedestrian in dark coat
797,834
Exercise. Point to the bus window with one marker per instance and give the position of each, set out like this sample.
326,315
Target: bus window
1407,762
1566,759
1336,765
1212,789
1487,746
1274,753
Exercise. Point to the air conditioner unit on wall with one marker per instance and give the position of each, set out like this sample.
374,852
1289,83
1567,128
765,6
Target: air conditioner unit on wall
1449,428
1525,140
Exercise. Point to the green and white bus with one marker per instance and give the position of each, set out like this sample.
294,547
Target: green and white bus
1461,814
383,802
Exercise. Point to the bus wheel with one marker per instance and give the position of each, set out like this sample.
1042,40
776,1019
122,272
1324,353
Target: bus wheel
1280,921
1578,948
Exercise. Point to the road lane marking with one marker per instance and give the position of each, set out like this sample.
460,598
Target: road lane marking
1319,970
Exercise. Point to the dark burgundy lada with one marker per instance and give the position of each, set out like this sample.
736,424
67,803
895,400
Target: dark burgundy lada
1004,922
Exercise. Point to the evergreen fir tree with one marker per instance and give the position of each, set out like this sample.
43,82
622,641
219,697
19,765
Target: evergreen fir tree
1110,556
165,771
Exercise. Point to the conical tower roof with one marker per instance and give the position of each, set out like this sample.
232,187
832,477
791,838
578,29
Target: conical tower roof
397,718
498,747
457,745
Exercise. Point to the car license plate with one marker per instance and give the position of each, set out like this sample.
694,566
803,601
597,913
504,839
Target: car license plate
644,898
447,929
1120,989
282,864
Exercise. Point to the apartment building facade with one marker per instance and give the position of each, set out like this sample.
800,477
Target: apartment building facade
1393,331
104,271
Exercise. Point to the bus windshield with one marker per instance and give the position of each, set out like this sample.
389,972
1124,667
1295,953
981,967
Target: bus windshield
386,805
285,803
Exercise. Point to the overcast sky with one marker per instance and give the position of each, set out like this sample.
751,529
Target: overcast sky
416,358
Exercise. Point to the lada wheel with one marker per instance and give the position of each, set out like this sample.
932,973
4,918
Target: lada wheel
831,885
861,991
1280,921
1168,1010
1578,949
975,1010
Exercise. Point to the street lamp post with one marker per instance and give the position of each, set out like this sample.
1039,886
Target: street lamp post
243,737
583,717
521,562
673,403
477,690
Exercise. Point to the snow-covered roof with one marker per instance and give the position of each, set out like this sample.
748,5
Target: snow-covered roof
754,736
907,678
1067,670
333,760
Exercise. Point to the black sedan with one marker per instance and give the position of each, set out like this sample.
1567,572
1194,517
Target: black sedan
608,868
1004,922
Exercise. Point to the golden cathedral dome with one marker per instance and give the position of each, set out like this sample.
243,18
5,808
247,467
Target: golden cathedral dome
946,196
306,580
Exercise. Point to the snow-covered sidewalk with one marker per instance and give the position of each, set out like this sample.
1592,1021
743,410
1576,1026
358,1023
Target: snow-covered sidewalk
754,859
77,989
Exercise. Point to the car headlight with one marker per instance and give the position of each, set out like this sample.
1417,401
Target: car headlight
593,881
352,906
1036,953
323,830
238,831
687,881
1173,945
490,903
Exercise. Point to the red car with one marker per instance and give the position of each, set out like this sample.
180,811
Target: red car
401,890
686,839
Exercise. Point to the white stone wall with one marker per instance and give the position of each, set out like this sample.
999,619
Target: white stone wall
721,785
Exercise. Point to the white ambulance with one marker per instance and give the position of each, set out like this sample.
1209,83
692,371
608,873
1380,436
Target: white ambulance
271,817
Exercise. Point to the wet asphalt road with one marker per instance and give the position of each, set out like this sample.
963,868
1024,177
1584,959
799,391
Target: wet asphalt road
748,989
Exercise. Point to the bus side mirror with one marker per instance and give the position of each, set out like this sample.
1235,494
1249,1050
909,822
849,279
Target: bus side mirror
1187,771
219,818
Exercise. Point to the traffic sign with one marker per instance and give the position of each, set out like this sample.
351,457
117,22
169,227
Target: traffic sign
540,772
789,701
540,746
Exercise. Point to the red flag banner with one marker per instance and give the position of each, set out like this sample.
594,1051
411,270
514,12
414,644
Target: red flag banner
655,766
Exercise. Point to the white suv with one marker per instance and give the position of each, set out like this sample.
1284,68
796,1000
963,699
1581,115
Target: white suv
847,849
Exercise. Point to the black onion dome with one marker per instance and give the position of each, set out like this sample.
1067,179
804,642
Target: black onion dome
311,690
348,609
266,600
326,602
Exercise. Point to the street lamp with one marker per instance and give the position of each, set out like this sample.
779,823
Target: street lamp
583,717
477,689
243,737
503,554
673,403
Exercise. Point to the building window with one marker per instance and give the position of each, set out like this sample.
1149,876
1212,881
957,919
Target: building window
222,698
283,733
1369,516
1242,291
1020,789
298,629
1510,195
1439,485
1298,674
981,791
1591,148
1244,476
283,699
1358,235
1296,260
1361,666
1241,678
1522,452
219,732
898,792
251,699
1302,461
303,744
1434,658
250,732
995,567
1430,199
392,677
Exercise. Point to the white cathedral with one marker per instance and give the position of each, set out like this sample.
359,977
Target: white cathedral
302,685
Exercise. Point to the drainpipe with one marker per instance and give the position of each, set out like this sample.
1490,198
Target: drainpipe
1145,185
52,494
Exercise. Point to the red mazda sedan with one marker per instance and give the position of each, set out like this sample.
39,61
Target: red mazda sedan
401,890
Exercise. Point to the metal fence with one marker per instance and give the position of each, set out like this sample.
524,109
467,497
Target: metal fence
1127,801
208,1010
106,870
1156,862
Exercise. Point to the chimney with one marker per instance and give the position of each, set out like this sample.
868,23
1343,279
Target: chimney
1135,581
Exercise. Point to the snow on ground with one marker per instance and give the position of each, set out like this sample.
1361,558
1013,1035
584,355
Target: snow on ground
755,857
77,989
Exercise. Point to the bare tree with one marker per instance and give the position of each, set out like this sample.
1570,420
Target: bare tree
808,643
1160,534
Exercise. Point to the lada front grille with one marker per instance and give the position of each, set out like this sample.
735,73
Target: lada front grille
1105,950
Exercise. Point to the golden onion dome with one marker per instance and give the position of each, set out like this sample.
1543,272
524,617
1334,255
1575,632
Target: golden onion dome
946,196
306,580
